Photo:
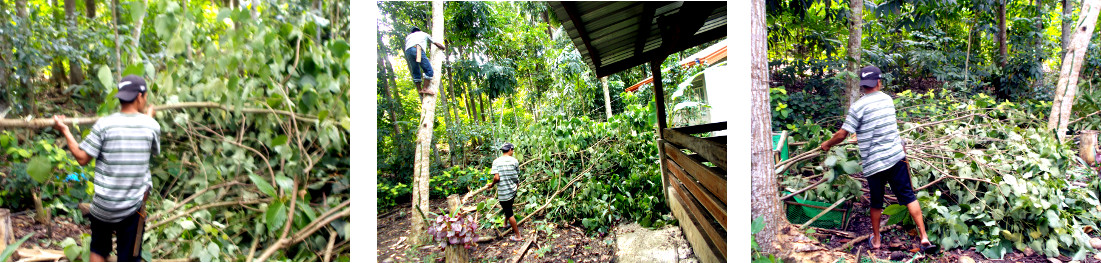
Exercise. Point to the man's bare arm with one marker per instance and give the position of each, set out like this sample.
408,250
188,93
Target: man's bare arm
837,138
81,156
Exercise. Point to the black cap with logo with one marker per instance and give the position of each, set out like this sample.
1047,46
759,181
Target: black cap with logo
869,76
130,87
506,147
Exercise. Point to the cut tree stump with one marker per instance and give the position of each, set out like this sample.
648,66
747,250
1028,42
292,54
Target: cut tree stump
1087,146
456,253
6,234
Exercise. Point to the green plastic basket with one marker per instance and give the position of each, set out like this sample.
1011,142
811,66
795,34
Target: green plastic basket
800,211
783,148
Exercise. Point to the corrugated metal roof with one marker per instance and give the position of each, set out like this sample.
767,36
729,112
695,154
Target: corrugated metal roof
614,36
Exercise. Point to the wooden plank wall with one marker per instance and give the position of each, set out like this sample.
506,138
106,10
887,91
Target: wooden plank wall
697,191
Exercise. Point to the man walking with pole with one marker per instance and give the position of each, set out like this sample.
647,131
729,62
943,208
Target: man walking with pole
506,172
883,158
122,145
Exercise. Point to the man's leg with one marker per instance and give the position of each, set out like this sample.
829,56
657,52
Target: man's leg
877,213
414,66
429,74
904,190
915,213
127,239
515,227
876,184
100,245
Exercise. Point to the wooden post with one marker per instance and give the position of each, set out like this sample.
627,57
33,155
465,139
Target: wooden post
456,253
659,102
1087,146
6,235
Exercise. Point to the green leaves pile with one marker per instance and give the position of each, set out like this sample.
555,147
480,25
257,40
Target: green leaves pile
998,181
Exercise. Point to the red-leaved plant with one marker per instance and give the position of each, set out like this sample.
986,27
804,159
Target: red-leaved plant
454,230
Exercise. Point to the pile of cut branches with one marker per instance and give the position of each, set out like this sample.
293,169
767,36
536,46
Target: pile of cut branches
988,175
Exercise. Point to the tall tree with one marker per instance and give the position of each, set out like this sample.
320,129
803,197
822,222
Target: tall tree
1002,49
421,161
856,8
90,9
1068,12
387,90
76,74
1067,86
765,201
607,98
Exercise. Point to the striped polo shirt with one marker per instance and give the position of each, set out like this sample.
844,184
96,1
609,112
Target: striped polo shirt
509,169
122,145
872,118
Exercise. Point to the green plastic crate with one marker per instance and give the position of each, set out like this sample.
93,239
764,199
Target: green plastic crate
799,214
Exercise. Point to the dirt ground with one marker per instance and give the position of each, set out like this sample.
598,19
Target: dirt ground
63,227
554,242
900,244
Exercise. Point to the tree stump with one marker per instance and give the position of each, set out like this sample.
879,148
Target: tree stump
1087,146
6,234
456,253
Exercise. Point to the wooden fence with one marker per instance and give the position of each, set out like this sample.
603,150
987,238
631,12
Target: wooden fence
694,179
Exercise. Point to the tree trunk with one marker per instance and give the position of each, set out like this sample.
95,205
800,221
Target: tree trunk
1067,86
21,8
1002,51
7,236
76,74
389,98
118,48
397,92
447,118
1068,27
765,201
607,98
855,28
383,64
424,134
90,9
136,31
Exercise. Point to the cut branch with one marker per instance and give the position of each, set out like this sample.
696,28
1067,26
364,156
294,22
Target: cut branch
203,207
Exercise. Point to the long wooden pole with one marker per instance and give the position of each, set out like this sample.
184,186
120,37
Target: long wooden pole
38,123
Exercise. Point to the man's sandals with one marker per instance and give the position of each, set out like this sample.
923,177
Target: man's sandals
515,238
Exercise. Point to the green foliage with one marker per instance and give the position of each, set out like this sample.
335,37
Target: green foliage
6,254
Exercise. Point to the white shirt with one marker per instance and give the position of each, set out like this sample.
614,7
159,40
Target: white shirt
417,38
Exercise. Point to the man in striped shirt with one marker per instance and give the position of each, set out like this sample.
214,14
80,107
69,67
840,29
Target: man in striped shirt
122,145
883,159
506,172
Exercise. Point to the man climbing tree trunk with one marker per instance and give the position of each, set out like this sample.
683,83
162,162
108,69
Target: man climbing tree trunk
76,74
1067,85
421,161
856,7
765,201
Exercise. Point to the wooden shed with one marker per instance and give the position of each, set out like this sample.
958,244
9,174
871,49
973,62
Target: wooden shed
615,36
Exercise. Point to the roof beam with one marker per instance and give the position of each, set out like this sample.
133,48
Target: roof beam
644,26
571,11
700,39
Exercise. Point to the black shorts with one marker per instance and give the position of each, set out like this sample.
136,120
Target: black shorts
506,206
899,178
126,232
